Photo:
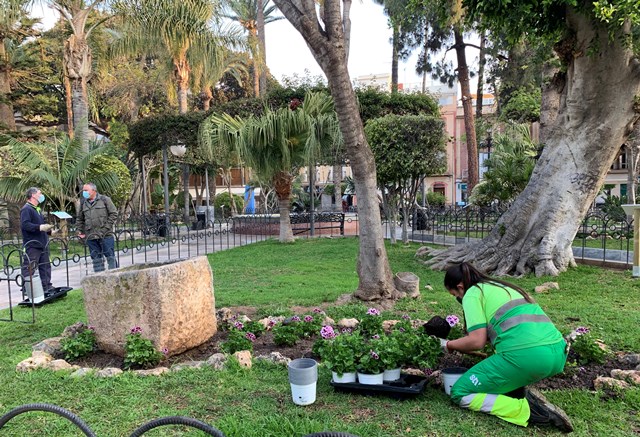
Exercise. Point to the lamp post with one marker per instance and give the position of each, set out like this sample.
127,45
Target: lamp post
486,144
489,141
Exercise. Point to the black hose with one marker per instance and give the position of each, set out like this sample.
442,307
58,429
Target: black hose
177,420
50,409
330,434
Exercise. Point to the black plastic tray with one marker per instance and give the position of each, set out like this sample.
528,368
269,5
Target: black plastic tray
408,386
57,293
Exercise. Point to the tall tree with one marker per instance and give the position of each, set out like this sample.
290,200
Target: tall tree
12,32
77,60
445,24
326,32
589,107
253,15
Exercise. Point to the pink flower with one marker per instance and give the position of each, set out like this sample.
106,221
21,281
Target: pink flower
346,330
373,312
582,330
165,351
271,323
250,336
452,320
374,355
238,325
327,332
308,319
136,330
295,319
317,310
375,337
406,317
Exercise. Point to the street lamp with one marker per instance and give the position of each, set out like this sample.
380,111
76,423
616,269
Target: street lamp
486,144
178,149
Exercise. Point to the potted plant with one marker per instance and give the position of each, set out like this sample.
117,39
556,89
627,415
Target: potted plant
391,355
338,352
370,366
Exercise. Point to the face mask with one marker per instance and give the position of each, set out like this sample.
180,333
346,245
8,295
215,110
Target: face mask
85,194
459,299
41,198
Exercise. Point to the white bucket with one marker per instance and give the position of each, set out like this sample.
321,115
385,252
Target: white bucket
303,376
303,394
344,378
391,375
450,376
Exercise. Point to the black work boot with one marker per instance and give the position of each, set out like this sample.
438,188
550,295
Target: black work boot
544,412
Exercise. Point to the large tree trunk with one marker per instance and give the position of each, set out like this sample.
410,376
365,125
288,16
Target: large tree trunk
181,72
7,121
467,106
595,114
328,48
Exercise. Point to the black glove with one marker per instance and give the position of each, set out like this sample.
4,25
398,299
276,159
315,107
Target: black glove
437,326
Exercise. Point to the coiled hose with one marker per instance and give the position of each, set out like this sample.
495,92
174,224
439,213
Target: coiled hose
330,434
177,420
50,409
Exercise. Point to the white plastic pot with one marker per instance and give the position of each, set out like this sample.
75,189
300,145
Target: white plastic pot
391,375
369,379
303,376
450,376
344,378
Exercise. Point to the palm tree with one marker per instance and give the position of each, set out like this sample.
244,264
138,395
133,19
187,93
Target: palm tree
57,167
248,14
276,145
77,62
12,13
206,74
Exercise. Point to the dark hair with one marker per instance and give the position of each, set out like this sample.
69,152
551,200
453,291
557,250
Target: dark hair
470,276
31,191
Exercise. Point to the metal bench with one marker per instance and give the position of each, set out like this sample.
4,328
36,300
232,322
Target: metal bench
301,222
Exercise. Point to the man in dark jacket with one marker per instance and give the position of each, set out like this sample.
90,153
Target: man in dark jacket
35,239
95,222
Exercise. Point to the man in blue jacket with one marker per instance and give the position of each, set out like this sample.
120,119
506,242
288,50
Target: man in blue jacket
35,239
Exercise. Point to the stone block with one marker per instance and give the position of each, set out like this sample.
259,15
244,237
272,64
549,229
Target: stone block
244,358
173,302
604,383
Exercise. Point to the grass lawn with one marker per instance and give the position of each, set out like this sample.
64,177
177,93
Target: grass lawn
257,402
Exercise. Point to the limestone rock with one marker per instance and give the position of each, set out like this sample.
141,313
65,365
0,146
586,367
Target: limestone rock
348,323
81,372
56,365
344,299
328,321
217,361
108,372
224,315
630,359
546,287
73,330
604,382
152,372
265,323
173,303
275,357
188,365
244,358
50,346
388,324
37,360
630,376
428,287
243,318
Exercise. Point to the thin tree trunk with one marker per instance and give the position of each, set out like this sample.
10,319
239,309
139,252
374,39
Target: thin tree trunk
328,48
262,49
467,106
282,185
207,98
346,26
581,142
7,120
633,157
480,89
337,186
68,103
394,58
181,72
80,112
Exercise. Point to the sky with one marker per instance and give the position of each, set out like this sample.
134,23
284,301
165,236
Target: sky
288,54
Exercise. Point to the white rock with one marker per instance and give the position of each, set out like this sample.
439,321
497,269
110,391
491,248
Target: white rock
604,382
244,358
188,365
152,372
108,372
217,361
56,365
348,323
83,371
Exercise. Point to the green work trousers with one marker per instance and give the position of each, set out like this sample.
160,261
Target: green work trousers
483,387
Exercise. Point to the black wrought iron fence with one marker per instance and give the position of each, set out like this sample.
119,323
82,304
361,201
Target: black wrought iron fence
155,237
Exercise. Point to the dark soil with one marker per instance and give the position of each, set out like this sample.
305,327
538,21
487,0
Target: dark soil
574,376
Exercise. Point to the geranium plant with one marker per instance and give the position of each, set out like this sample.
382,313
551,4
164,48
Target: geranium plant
338,351
457,330
391,354
371,323
369,361
139,351
587,348
80,344
425,352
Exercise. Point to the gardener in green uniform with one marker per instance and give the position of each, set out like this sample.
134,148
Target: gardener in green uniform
528,348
